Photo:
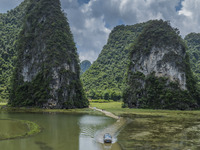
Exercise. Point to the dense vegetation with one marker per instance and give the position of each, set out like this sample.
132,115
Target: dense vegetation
10,26
105,78
159,92
85,65
193,42
47,68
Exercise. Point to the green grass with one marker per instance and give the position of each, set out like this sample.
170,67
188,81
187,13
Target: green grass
40,110
100,101
116,108
156,129
11,129
32,126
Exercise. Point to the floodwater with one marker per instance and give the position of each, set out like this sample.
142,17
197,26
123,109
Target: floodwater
175,131
60,132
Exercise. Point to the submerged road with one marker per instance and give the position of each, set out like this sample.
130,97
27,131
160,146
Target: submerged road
113,129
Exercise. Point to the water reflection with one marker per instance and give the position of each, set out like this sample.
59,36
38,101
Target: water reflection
88,126
43,146
60,132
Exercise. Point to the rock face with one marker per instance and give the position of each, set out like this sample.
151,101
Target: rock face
47,69
159,74
85,65
163,62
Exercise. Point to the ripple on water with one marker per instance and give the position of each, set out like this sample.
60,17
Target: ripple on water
113,130
90,124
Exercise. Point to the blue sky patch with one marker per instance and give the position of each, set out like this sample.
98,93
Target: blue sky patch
120,22
179,6
81,2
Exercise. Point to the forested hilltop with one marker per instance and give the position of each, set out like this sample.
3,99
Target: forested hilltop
85,65
193,42
159,74
10,26
105,78
47,71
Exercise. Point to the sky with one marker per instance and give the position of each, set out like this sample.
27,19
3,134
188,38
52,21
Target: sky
91,21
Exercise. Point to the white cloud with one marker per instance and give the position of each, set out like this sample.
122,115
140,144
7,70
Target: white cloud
92,22
90,31
189,17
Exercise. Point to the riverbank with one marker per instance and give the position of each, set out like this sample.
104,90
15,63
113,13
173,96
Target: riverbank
116,109
5,108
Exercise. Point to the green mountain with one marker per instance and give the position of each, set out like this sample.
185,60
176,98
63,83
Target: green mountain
47,71
85,65
106,74
159,74
10,26
193,42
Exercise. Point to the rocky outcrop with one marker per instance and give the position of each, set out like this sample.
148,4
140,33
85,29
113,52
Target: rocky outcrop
164,62
47,72
159,74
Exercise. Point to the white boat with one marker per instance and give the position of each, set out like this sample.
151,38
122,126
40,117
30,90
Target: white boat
107,138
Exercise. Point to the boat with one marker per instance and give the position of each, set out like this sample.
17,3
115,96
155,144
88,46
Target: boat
107,138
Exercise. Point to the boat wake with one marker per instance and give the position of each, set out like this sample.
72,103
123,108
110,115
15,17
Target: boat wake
113,130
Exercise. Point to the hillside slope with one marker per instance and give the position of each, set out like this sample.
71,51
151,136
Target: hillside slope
85,65
47,71
107,72
10,26
159,74
193,42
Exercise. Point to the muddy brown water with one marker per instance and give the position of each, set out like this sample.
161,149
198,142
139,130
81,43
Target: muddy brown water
60,132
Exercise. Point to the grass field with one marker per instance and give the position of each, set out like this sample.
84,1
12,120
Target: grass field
156,129
116,108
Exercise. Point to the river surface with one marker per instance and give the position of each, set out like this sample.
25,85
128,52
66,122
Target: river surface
60,132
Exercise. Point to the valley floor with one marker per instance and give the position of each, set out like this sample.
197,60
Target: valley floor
156,129
148,129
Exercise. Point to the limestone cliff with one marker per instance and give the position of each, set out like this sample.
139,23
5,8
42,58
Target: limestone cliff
159,74
164,62
47,68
